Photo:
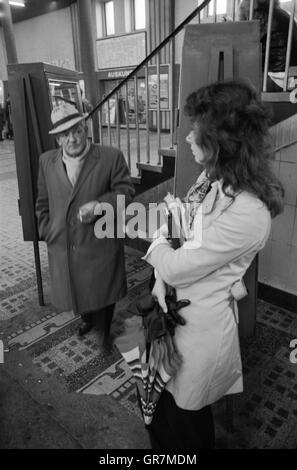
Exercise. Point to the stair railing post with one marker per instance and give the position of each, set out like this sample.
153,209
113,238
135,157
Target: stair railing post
136,119
159,105
171,92
148,155
214,11
118,119
289,44
233,10
251,10
268,41
128,127
108,122
100,126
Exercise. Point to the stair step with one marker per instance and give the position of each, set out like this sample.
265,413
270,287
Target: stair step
150,167
277,97
167,152
136,179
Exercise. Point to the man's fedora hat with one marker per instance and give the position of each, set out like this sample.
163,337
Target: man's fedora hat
64,116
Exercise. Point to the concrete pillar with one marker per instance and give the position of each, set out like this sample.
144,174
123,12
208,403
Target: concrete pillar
9,39
87,46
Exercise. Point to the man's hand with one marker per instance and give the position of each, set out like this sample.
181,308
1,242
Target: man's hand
86,213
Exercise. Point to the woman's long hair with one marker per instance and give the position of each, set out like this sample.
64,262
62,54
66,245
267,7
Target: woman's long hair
232,127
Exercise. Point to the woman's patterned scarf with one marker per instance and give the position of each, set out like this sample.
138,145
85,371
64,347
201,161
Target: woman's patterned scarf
196,195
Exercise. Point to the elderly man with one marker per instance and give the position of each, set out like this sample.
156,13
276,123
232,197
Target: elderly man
87,274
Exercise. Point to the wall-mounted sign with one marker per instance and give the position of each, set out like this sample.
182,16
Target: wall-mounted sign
118,73
121,51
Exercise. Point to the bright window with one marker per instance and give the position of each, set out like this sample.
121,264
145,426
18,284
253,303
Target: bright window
221,7
139,14
109,17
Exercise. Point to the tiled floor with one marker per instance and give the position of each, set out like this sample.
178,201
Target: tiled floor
265,415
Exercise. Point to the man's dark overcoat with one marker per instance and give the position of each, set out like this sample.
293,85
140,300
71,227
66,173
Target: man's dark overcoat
86,273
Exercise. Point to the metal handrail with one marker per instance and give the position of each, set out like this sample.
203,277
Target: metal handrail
150,56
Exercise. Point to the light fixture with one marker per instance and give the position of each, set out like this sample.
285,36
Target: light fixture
17,4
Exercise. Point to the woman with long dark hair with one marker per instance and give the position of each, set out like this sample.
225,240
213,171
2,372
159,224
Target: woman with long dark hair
232,203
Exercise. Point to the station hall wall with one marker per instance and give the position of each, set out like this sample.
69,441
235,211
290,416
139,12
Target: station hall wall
45,38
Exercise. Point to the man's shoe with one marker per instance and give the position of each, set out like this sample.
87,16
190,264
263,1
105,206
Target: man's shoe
84,328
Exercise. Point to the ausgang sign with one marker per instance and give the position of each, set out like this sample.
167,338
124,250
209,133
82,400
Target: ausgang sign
118,73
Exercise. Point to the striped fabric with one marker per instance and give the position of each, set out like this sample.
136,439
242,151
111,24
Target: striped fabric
196,195
152,376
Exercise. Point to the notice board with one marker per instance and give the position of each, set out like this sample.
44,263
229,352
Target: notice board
121,51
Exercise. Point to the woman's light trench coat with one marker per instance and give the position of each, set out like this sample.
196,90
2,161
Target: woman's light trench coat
233,231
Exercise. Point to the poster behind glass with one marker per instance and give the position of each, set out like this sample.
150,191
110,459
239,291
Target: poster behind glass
126,103
153,91
61,90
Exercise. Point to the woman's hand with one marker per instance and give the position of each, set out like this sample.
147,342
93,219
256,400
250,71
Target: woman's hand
159,293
